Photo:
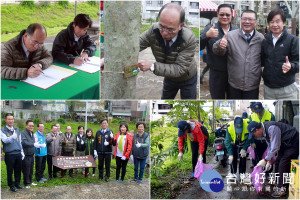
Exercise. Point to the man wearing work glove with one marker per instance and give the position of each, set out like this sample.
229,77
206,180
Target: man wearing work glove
259,115
197,135
12,147
103,146
236,144
40,153
282,139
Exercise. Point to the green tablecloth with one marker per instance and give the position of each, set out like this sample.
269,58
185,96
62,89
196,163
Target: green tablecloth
81,85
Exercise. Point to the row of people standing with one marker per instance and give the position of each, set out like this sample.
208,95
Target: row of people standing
23,148
236,57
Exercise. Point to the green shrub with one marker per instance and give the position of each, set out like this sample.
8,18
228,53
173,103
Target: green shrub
29,4
61,120
64,4
92,3
36,120
44,3
20,124
3,123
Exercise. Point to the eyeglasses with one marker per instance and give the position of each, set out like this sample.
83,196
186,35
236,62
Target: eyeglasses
248,19
35,43
169,30
223,14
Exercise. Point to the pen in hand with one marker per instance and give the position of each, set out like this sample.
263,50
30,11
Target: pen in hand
34,67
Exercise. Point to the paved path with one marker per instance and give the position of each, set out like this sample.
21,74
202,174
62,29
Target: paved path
110,190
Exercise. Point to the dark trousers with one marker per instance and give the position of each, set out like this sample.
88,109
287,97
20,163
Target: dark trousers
13,165
283,161
121,164
261,147
51,167
94,168
218,84
236,154
188,89
40,164
239,94
69,154
27,169
195,152
104,158
139,164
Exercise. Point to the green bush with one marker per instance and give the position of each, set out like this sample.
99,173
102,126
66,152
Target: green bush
3,123
29,4
92,3
21,115
20,124
64,4
44,3
36,121
61,120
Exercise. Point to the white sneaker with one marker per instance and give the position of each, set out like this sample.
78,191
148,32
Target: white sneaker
27,187
33,183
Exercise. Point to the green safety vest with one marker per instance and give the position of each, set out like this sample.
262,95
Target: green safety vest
267,116
231,131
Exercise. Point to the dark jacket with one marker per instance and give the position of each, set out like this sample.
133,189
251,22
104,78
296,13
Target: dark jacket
71,146
218,63
14,145
274,57
65,48
100,139
178,64
79,146
28,142
89,146
14,64
143,151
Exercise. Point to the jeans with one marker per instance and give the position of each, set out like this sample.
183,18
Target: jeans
139,163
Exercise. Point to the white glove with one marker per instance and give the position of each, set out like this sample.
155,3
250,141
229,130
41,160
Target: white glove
82,142
106,143
138,145
77,138
180,156
123,158
261,163
131,157
200,157
14,135
230,159
243,153
37,145
23,155
268,166
253,145
43,145
111,134
95,154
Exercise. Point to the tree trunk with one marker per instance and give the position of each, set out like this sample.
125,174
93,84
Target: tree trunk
121,48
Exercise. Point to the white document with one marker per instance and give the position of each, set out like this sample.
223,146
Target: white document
50,77
91,66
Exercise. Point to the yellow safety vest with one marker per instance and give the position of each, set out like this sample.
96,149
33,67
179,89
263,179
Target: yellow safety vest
267,116
231,130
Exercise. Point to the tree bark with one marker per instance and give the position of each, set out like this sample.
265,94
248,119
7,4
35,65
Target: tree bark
121,48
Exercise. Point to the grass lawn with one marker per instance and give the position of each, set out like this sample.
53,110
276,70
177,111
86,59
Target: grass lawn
77,178
15,18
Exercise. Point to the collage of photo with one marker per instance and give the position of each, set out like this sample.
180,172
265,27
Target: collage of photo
172,99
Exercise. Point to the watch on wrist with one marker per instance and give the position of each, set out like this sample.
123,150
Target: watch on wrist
152,67
41,66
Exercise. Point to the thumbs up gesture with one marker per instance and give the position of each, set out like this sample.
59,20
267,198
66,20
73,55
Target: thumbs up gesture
286,66
223,42
138,145
106,143
212,32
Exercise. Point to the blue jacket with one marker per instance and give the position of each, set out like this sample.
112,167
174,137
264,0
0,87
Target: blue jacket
41,140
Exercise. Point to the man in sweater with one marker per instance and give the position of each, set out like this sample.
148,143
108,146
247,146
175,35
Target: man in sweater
28,147
25,55
68,141
173,46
